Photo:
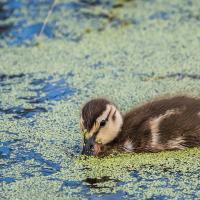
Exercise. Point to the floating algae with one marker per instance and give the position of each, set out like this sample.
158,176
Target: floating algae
40,154
144,172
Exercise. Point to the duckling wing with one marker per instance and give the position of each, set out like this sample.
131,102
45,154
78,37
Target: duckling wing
178,127
172,123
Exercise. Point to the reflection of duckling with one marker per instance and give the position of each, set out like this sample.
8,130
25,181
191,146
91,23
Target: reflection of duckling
165,124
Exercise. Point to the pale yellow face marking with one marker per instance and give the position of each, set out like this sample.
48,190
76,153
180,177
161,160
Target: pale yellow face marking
98,121
111,129
94,129
89,134
83,130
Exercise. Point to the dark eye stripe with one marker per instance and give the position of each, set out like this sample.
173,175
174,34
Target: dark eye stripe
97,131
108,115
113,117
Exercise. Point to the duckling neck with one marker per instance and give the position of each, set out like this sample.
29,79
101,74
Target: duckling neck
120,139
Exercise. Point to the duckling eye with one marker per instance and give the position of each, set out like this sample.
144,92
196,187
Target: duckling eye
103,123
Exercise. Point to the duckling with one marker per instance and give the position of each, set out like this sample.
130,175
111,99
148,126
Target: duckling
161,124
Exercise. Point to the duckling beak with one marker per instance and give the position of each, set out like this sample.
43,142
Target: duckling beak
88,146
91,148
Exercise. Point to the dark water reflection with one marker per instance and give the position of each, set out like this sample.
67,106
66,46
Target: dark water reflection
93,182
4,77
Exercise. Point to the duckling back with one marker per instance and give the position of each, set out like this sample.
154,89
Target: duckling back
165,124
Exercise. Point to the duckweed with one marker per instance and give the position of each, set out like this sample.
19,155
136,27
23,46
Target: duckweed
42,88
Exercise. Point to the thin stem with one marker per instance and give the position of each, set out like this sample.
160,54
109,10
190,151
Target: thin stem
47,18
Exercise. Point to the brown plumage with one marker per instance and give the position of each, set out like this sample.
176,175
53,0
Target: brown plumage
164,124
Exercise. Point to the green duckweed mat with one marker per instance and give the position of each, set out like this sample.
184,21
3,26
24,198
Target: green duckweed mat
142,50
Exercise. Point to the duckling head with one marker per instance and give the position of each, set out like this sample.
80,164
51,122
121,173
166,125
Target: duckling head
100,123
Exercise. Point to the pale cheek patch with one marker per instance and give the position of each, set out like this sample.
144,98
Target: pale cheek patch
97,123
111,130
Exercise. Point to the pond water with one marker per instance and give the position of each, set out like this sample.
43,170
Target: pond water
57,54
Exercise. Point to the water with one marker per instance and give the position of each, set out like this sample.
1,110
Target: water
128,51
46,90
22,32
